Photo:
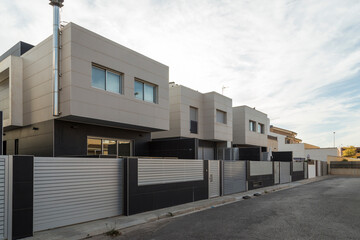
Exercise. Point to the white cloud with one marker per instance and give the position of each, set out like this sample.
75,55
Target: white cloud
275,55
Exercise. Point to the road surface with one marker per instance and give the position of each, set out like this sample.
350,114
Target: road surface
328,209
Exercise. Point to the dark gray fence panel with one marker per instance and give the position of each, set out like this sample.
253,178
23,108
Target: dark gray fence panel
234,177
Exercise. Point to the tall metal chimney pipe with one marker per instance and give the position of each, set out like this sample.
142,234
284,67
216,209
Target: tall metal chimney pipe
57,4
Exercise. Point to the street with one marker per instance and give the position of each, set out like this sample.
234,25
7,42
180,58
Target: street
328,209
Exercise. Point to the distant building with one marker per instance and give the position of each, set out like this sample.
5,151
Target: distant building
250,128
200,123
288,141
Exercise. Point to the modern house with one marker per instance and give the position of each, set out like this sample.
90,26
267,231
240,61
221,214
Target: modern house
109,98
200,123
250,128
288,141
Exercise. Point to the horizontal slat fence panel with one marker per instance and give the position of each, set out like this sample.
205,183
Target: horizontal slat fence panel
75,190
161,171
258,168
2,197
298,166
234,177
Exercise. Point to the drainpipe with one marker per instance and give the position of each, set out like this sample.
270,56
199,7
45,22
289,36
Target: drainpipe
57,4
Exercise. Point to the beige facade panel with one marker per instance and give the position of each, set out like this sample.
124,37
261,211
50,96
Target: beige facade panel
182,99
88,48
242,115
5,98
82,48
11,87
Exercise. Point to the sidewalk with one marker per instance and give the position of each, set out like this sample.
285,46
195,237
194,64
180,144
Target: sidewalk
88,229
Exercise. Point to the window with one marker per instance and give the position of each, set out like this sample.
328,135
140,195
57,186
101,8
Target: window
193,120
106,79
252,125
261,128
115,147
220,116
145,91
16,146
4,148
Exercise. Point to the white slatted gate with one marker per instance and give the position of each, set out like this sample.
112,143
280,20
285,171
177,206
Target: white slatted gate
214,178
276,172
285,176
75,190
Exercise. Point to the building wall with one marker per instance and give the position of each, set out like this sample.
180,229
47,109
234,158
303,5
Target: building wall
37,81
71,138
4,97
241,133
81,48
272,144
11,99
87,101
321,154
298,149
35,139
181,99
214,130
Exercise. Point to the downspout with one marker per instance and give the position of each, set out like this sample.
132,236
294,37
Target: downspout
57,4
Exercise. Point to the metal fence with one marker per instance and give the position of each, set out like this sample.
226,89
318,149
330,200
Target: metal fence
3,196
234,177
74,190
160,171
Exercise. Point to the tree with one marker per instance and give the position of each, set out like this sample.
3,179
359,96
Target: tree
349,151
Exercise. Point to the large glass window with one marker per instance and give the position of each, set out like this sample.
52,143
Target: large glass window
103,146
261,128
139,93
106,79
220,116
109,147
193,120
145,91
252,126
94,146
98,78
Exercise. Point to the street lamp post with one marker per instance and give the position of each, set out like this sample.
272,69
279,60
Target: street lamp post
334,139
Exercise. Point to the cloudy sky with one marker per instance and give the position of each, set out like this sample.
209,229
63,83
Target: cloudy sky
296,60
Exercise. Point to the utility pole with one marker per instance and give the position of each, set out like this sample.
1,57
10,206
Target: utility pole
334,139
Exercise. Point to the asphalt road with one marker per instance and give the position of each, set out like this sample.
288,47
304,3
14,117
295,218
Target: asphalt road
328,209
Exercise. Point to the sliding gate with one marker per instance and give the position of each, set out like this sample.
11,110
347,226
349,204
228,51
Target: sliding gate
234,175
75,190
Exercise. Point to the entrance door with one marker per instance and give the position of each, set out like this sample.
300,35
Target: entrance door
214,178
